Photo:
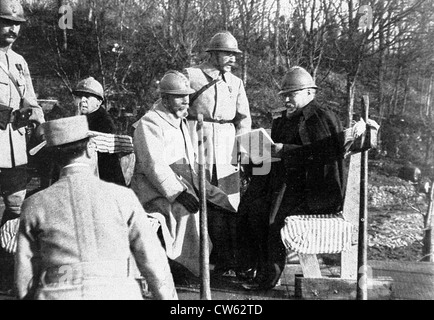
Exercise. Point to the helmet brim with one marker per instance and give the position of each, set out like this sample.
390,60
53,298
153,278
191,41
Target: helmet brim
77,92
285,91
11,18
234,50
179,92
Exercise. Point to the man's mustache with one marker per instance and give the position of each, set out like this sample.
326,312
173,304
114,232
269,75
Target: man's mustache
12,35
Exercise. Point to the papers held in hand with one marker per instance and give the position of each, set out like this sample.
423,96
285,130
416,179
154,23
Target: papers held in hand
257,144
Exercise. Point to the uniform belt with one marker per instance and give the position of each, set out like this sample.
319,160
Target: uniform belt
12,117
76,273
211,120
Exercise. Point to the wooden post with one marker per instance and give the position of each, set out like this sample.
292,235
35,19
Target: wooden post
428,238
205,288
362,261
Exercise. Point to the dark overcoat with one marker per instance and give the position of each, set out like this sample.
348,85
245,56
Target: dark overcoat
109,167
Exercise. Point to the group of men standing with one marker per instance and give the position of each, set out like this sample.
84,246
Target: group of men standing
166,142
91,228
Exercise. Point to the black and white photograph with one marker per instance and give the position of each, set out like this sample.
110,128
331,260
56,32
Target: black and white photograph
225,156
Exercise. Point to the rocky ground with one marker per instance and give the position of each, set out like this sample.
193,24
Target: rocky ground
396,218
395,235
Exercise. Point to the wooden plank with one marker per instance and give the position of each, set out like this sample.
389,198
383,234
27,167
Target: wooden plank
411,280
428,252
327,288
310,265
403,266
351,214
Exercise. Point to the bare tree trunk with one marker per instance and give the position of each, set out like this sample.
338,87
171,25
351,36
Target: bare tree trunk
406,90
225,13
428,149
428,99
244,67
382,103
64,31
277,38
99,50
351,92
170,19
395,93
381,62
264,7
351,75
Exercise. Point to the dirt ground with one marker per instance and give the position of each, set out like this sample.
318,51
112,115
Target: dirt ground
394,235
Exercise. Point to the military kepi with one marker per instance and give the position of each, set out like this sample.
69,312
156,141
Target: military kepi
65,130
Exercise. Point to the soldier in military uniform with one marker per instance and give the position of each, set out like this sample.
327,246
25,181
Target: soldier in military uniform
77,238
310,177
18,107
165,177
89,97
221,98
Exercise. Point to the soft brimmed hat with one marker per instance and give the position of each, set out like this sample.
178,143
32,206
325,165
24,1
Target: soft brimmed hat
65,130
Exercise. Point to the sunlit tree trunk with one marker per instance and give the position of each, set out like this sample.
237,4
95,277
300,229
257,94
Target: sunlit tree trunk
277,37
61,3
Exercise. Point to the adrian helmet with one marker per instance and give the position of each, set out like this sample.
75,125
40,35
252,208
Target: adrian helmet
296,79
12,10
90,85
223,41
174,82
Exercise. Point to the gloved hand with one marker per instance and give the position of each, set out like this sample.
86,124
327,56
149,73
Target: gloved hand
359,127
37,115
188,201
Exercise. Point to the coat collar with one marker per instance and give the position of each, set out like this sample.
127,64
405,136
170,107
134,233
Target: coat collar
166,115
307,111
210,70
310,109
76,169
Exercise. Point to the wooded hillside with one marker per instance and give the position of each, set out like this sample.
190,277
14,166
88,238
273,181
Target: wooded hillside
380,48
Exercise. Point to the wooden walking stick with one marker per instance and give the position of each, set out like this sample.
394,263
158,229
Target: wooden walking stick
205,289
362,264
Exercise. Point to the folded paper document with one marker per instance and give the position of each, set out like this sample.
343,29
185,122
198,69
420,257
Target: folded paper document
257,144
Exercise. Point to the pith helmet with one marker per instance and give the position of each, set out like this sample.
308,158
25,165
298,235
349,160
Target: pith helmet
223,41
174,82
295,79
90,85
12,10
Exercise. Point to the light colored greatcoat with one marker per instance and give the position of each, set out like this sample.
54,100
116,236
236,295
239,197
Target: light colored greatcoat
164,169
86,229
226,101
13,150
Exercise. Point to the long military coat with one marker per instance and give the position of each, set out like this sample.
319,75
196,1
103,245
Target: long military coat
165,167
312,159
227,102
83,230
312,170
13,142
